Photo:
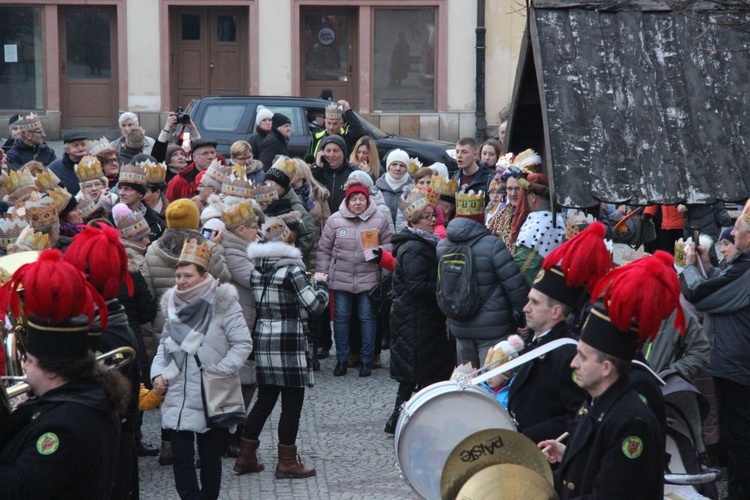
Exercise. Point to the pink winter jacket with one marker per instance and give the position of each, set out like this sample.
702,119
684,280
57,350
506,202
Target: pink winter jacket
340,251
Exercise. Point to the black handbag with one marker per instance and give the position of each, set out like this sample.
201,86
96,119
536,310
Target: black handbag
380,295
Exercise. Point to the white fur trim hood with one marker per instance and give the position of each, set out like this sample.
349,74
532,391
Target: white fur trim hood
273,249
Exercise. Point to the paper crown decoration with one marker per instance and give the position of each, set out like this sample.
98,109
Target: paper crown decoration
133,174
95,147
505,160
19,179
413,166
236,183
238,214
10,230
444,187
41,213
32,240
432,196
334,112
745,214
87,206
577,221
31,123
47,180
470,203
133,227
286,165
61,197
196,253
156,173
418,198
527,161
264,193
275,229
218,173
88,169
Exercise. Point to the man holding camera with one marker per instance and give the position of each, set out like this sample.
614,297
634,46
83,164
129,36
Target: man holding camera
175,119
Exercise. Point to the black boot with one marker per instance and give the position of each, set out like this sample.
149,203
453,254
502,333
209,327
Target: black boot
365,370
340,368
233,445
390,426
314,357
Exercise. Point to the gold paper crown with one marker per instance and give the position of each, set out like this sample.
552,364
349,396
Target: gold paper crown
87,206
275,229
218,173
88,169
41,213
133,226
30,122
745,215
444,187
237,214
61,197
156,173
413,166
334,112
414,201
527,161
32,240
18,179
95,147
196,253
505,160
133,174
470,203
577,221
236,183
47,180
286,165
10,229
432,196
265,193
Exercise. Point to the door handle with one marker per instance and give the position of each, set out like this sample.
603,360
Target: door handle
211,66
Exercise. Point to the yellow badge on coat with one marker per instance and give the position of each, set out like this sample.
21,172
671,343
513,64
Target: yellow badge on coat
48,443
632,447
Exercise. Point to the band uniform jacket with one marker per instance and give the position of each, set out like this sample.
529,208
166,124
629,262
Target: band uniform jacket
544,397
615,451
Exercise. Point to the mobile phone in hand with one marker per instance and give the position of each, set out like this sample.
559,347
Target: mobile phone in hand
207,233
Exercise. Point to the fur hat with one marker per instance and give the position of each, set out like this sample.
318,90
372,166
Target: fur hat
183,214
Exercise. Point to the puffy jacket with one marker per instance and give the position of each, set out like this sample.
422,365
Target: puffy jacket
670,217
501,284
420,347
225,348
183,185
334,181
708,218
161,261
391,196
21,153
340,251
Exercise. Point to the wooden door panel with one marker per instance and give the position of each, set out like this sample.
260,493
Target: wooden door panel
189,64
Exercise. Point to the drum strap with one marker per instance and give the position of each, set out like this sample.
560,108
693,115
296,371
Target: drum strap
524,358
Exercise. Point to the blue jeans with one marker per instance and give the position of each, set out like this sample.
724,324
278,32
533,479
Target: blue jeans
342,312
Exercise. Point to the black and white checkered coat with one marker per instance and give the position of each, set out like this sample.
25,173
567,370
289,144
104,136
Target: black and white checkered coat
284,298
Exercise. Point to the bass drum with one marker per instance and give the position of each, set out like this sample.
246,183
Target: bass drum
433,422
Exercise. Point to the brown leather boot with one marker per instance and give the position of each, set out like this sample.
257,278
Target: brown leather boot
290,466
247,461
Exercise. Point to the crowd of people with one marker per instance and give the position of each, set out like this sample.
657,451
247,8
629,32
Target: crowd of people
252,268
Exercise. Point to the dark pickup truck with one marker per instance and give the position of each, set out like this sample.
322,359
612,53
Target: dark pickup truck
232,118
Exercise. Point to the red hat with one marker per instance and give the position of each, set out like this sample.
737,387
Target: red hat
100,253
583,259
358,188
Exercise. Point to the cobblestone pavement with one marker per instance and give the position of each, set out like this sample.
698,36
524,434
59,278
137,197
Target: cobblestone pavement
341,435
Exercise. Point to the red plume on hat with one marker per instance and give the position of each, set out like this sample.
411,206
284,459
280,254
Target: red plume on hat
584,259
642,293
52,289
99,253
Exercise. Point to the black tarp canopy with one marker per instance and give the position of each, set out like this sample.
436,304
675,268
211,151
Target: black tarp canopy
636,101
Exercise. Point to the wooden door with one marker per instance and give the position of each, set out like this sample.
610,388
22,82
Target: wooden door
88,66
328,51
208,53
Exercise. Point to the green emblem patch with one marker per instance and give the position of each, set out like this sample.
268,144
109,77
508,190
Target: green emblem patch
643,398
632,447
574,377
47,443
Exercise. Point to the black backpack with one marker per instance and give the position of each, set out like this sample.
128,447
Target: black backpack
457,289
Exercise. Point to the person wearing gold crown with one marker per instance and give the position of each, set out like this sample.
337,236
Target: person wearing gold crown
500,224
63,441
502,288
30,146
336,114
132,188
617,447
724,296
204,329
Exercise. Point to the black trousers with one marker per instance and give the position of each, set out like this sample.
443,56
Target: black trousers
211,445
291,409
126,479
734,426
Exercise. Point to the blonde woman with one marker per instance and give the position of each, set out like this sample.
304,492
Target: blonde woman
365,156
241,153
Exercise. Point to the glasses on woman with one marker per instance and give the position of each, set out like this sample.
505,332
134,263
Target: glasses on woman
428,216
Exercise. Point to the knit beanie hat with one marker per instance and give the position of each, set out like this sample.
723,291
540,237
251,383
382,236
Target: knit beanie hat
357,188
397,155
726,234
262,114
337,140
277,120
171,150
183,214
361,177
282,171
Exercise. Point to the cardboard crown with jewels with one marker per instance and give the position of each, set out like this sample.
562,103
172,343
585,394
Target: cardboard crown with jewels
156,173
237,214
89,169
31,123
10,230
47,180
41,213
95,147
196,253
18,179
418,198
236,184
31,240
444,187
470,203
133,174
61,197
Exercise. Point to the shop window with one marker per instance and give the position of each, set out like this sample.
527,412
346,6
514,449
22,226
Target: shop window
404,59
21,61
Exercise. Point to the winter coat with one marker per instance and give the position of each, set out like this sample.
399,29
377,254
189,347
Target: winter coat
141,307
392,196
183,185
350,132
420,347
273,144
155,223
320,214
340,253
708,218
304,228
501,285
285,299
671,218
161,262
224,349
241,267
255,172
64,169
334,181
480,183
21,153
256,141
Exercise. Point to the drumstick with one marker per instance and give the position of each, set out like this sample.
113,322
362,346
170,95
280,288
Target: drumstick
559,440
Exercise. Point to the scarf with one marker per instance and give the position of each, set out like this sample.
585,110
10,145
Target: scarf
431,238
303,193
396,183
69,228
189,314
